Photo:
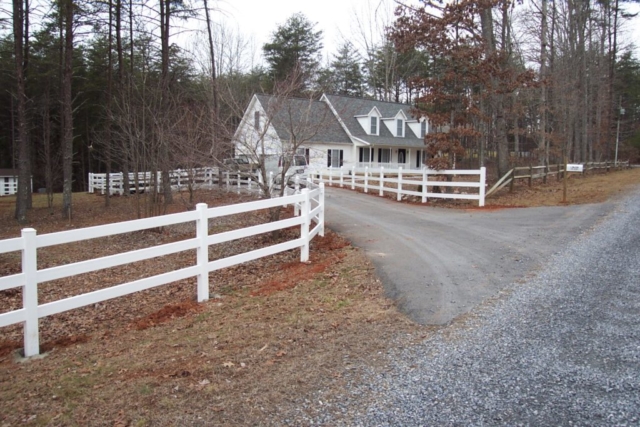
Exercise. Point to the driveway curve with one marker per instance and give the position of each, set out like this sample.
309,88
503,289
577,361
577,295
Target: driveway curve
439,263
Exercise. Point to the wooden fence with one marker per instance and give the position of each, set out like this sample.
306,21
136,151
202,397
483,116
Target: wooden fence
310,207
536,172
419,183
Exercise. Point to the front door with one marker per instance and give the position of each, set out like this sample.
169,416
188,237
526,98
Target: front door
402,156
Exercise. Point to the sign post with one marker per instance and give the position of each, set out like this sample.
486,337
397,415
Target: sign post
564,181
569,167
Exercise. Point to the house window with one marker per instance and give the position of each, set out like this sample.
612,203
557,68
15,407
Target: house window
384,155
335,158
423,128
364,155
304,152
399,127
374,125
256,120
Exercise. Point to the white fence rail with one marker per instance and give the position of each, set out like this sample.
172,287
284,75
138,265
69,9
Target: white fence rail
403,180
143,181
180,180
8,185
310,207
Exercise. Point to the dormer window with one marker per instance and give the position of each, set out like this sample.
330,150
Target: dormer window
399,127
256,120
374,125
423,128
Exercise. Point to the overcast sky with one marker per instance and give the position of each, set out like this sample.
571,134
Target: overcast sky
260,18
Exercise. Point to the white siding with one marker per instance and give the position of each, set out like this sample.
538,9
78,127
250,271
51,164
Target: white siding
318,154
249,141
415,127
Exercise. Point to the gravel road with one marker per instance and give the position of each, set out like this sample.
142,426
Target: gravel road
562,348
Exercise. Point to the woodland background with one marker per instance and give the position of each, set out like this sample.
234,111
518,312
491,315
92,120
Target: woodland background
99,86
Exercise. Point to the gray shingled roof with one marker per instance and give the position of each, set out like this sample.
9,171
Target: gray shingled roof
306,120
348,107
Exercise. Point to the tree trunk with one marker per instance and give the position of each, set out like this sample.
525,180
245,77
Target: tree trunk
107,194
67,110
24,175
542,145
165,19
214,82
496,98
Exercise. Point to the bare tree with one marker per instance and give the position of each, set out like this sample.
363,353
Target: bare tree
277,131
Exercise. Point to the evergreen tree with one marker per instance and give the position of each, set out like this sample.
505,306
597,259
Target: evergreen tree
346,71
294,49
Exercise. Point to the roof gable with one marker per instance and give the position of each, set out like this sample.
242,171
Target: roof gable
302,119
350,108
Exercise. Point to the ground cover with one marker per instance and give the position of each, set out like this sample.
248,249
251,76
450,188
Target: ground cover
274,331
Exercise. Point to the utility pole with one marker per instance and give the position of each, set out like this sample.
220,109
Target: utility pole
620,114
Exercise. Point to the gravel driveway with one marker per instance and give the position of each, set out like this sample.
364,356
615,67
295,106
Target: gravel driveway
562,348
439,263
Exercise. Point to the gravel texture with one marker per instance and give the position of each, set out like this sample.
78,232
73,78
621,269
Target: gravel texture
563,348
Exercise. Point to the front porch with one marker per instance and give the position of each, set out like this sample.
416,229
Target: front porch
390,157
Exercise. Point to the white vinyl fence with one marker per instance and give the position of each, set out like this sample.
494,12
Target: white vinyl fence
406,182
202,178
8,185
309,207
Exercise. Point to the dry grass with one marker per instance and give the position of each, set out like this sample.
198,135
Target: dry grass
276,331
594,187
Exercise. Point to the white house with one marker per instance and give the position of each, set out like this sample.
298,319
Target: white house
334,131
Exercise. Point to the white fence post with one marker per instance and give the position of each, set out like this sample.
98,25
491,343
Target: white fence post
353,177
321,216
90,182
381,180
341,176
202,233
399,183
30,293
425,178
304,228
366,179
121,183
483,178
296,206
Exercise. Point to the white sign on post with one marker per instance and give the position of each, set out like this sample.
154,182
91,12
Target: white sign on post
574,168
